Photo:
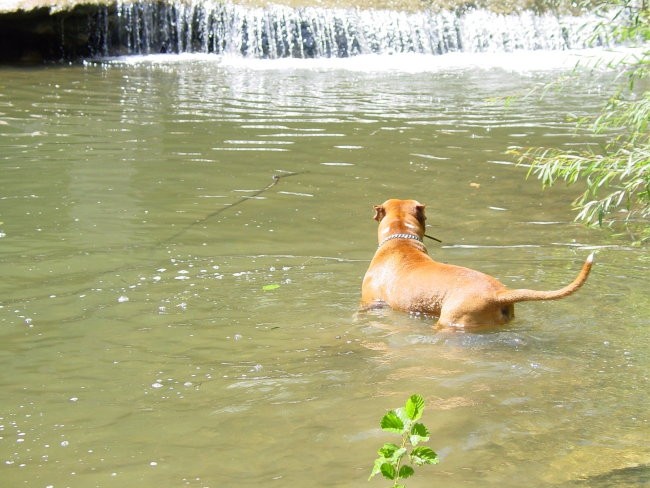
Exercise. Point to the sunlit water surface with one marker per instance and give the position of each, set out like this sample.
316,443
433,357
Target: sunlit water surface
171,317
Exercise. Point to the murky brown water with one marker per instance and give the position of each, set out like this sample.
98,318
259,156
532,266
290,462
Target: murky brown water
165,323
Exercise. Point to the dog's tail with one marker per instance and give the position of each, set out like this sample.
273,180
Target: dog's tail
523,295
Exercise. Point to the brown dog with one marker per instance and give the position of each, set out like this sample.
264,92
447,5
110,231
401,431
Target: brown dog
404,277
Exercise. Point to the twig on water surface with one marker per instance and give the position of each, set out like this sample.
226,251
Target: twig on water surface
275,180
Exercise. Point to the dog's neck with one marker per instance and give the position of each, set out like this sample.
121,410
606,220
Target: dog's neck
401,235
390,225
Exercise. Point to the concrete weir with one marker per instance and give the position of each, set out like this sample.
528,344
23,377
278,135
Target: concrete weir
41,33
37,33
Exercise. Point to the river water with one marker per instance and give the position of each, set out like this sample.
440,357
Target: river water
171,315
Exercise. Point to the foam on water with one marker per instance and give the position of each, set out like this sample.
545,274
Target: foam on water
518,61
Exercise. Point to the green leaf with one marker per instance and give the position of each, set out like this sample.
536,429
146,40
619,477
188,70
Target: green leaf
397,455
388,471
391,453
392,423
388,450
272,286
414,407
406,471
376,469
403,416
423,455
420,429
419,433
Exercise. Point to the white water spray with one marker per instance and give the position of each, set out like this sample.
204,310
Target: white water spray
202,26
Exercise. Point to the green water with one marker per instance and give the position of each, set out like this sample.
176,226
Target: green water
145,341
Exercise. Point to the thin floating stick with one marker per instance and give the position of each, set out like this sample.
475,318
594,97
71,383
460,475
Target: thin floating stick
275,180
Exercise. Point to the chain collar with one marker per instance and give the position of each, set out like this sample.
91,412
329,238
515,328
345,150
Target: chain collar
401,236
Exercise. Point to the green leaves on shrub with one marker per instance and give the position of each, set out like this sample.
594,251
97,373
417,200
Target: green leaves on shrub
414,407
614,176
392,459
423,455
392,423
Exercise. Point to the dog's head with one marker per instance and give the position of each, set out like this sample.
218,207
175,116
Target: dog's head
401,216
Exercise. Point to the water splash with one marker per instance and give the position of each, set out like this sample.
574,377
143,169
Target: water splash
203,26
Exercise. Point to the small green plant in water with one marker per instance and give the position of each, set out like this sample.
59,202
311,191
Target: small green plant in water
392,460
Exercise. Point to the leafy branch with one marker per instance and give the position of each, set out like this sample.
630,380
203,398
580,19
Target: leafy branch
391,462
616,180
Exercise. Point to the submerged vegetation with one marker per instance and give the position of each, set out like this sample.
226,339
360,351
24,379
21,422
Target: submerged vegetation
615,180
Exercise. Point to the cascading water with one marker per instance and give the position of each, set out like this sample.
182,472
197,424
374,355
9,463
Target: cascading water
308,32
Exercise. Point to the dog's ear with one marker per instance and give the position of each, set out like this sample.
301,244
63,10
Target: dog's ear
380,212
419,213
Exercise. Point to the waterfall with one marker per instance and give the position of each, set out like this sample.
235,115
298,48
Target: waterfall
206,26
